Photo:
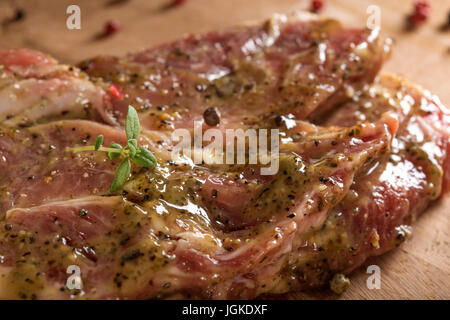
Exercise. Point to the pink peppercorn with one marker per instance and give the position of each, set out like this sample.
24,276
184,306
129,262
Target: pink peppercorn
112,26
421,12
316,5
116,90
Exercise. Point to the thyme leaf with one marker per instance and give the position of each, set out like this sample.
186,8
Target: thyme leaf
131,152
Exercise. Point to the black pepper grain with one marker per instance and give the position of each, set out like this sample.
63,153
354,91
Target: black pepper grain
211,116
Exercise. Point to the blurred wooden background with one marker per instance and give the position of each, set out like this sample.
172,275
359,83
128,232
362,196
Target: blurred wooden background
420,268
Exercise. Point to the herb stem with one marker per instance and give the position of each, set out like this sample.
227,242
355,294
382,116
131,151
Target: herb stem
92,148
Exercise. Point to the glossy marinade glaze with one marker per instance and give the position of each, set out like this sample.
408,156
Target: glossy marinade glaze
359,159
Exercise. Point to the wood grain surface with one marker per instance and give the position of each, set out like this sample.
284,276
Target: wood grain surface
419,268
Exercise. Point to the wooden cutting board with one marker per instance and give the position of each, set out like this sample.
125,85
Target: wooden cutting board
418,269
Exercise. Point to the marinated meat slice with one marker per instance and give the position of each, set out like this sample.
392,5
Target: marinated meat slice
34,88
35,166
383,201
170,239
284,66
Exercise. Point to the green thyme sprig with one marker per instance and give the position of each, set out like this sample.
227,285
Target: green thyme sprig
130,152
